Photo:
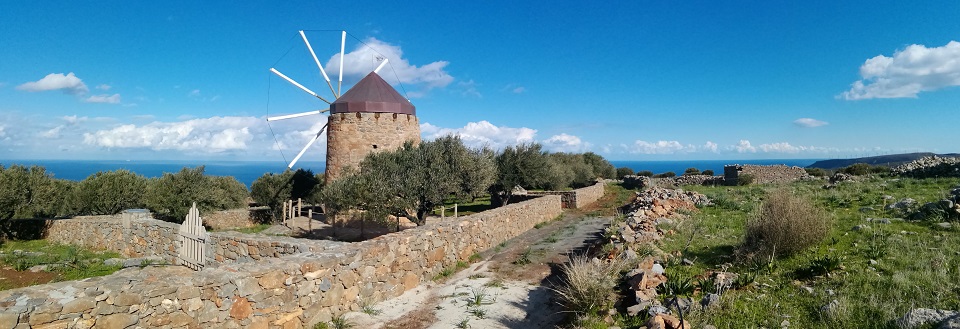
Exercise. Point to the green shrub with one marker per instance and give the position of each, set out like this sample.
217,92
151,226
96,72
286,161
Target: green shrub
691,171
860,169
707,172
624,171
110,192
816,172
29,193
745,179
645,173
665,175
786,224
273,190
171,195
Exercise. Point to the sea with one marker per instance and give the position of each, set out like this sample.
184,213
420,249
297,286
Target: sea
248,171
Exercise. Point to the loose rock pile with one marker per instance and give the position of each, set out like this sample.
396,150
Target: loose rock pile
929,167
652,207
946,209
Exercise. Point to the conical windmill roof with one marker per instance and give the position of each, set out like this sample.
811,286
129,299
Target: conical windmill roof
372,95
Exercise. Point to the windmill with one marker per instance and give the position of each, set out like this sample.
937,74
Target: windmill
336,93
369,117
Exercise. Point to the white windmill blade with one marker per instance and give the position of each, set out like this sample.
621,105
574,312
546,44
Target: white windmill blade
298,85
296,115
317,60
343,43
304,150
384,62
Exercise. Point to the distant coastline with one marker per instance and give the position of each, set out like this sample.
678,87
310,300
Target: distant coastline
678,166
244,171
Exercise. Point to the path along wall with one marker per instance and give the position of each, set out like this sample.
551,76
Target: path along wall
293,291
578,198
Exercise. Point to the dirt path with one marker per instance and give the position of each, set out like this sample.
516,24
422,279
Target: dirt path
509,289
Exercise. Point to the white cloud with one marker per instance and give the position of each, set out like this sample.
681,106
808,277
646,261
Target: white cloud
659,147
214,135
710,146
73,119
809,122
69,84
104,87
52,133
744,147
469,88
518,90
483,133
108,99
3,130
782,147
566,143
194,93
366,57
910,71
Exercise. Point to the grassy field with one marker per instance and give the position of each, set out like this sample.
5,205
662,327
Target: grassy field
868,272
62,263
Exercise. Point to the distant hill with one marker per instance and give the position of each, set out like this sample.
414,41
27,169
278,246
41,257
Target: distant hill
891,160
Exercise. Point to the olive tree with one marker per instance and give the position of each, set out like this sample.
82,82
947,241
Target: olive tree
525,165
273,189
171,195
109,192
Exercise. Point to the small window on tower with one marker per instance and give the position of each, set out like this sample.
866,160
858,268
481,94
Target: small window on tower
374,146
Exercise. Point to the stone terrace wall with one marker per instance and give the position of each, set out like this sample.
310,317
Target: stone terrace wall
764,174
150,237
289,292
577,198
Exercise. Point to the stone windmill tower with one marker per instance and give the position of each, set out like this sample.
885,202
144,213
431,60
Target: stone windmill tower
369,117
372,116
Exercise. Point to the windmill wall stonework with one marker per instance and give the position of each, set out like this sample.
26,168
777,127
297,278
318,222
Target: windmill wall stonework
370,117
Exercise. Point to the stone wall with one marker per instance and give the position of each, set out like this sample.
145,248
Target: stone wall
151,237
764,174
577,198
351,136
292,291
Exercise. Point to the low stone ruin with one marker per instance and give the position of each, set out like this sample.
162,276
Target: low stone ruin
651,208
773,174
933,166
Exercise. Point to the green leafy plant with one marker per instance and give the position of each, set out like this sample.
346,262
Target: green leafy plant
677,286
479,297
745,279
341,322
826,264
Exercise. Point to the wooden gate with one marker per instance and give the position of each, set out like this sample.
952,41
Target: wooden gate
193,238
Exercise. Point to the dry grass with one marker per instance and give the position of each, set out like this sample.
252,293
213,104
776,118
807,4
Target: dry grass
588,284
786,224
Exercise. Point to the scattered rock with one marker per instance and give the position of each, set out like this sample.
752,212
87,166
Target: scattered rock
922,316
710,301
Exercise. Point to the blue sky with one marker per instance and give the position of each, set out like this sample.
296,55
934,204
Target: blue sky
639,80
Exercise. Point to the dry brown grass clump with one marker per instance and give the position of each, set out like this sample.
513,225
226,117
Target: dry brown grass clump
588,284
786,224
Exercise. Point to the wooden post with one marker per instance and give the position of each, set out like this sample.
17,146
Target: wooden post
299,207
455,214
443,212
283,219
310,219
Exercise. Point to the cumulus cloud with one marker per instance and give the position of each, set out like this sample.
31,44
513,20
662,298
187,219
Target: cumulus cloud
216,134
104,87
809,122
73,119
68,84
710,146
52,133
744,146
908,72
481,134
518,90
367,56
108,99
565,143
658,147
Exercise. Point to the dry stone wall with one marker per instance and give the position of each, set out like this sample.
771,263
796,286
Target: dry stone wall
293,291
773,174
150,237
577,198
351,136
